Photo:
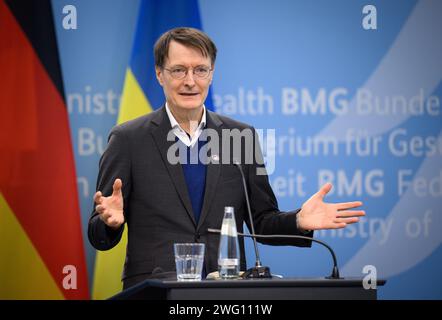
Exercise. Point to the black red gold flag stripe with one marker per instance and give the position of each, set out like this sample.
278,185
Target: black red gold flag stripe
41,245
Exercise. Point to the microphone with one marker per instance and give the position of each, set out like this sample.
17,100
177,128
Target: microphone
335,271
258,271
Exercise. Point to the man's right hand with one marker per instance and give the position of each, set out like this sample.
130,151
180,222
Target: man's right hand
110,209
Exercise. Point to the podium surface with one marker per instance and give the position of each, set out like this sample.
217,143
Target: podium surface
252,289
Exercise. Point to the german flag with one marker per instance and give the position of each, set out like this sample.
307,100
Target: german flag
41,245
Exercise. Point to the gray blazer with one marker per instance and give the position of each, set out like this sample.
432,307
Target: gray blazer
157,206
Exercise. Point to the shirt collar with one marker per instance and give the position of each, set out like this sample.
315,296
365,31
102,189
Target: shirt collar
175,124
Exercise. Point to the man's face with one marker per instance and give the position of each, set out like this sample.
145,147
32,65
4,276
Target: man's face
188,93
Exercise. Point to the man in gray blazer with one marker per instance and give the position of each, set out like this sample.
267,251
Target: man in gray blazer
164,202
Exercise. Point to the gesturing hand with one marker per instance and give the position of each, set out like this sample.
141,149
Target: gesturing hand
110,209
315,214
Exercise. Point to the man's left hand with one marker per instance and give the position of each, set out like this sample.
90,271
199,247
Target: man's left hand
316,214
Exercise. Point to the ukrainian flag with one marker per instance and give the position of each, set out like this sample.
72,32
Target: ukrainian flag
142,94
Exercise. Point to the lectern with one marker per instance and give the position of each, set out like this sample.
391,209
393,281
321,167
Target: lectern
255,289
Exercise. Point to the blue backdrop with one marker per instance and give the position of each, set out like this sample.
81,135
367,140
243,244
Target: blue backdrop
359,108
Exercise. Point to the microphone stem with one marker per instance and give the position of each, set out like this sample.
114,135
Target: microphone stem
252,227
335,273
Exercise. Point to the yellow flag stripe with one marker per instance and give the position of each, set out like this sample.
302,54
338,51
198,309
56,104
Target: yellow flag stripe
108,270
23,274
134,103
109,264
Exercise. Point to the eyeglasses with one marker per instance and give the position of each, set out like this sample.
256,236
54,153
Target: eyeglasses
179,73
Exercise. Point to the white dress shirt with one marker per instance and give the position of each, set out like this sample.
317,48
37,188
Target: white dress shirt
181,134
